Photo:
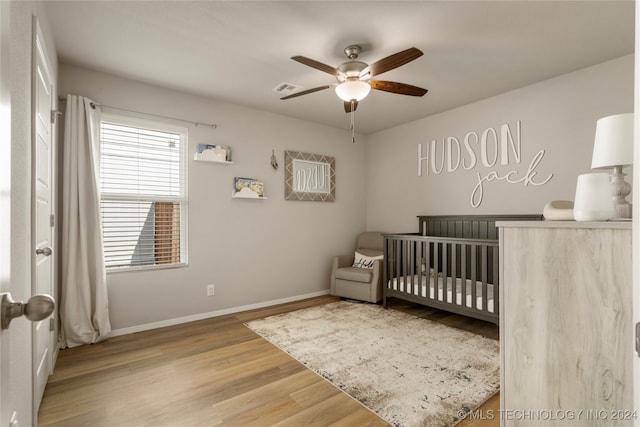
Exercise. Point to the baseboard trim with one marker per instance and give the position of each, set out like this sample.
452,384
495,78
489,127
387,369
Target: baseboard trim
202,316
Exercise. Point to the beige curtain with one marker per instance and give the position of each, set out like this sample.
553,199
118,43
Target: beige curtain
84,307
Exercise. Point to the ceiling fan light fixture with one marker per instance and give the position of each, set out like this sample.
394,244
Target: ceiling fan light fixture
353,90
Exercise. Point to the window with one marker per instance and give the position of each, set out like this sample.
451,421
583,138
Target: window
142,193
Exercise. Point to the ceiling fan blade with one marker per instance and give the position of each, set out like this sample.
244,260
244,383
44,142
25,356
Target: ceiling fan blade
399,88
315,64
347,106
305,92
391,62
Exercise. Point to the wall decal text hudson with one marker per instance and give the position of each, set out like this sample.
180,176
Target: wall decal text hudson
481,150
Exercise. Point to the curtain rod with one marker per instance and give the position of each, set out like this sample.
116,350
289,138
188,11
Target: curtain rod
96,104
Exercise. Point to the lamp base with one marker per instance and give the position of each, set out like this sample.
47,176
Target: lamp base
622,211
620,189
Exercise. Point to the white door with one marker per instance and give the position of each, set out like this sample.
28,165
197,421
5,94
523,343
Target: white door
15,343
636,224
42,221
5,201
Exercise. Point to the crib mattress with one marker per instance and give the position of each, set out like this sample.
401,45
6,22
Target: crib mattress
433,286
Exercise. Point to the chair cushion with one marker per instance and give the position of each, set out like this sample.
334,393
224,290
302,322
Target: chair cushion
354,274
370,252
364,261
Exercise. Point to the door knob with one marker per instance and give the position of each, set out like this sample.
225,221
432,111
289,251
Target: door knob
46,251
38,307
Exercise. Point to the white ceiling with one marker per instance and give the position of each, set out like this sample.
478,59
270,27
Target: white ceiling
238,51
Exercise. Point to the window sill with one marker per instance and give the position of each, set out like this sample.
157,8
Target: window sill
118,270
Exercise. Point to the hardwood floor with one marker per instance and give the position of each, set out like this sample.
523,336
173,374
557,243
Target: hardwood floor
213,372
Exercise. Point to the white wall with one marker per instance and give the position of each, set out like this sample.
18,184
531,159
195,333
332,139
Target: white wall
557,115
253,251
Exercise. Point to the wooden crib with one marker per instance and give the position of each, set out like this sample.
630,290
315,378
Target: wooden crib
450,264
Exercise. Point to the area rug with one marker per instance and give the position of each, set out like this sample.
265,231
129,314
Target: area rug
409,371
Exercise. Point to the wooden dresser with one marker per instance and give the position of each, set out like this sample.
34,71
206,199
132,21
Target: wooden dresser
566,338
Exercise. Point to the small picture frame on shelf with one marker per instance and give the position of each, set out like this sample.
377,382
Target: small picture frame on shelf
213,152
248,187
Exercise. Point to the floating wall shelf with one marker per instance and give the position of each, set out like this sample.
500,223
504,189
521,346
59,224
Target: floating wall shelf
214,153
248,188
246,193
200,158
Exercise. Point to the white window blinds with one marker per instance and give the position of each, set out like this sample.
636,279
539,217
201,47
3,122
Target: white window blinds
143,193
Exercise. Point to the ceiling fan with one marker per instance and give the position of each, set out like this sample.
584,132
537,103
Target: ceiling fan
355,77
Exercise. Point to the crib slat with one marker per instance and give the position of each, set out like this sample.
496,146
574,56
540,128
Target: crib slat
474,278
427,256
437,286
407,266
483,251
463,266
419,263
453,274
445,282
402,284
408,284
412,263
397,270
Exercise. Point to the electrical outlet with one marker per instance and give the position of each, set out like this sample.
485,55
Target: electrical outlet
211,290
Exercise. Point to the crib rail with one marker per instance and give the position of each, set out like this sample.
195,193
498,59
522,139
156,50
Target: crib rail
468,226
459,275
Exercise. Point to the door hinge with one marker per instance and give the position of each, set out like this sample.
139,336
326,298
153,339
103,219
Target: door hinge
52,220
55,113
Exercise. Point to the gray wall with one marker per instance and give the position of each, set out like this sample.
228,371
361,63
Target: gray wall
257,252
253,251
557,115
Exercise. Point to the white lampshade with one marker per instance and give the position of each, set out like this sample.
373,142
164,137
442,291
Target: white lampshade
614,141
593,198
353,90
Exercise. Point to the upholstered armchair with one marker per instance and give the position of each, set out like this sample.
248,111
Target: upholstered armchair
359,275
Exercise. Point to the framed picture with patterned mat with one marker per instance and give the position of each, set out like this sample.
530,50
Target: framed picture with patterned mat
309,177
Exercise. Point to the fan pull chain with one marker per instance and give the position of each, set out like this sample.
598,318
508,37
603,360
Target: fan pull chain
353,127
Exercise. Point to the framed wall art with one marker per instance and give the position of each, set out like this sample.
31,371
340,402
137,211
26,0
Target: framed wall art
309,177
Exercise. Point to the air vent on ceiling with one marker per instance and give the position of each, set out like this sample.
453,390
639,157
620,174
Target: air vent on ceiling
286,88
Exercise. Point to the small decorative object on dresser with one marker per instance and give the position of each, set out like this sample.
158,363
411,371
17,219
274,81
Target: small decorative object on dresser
558,210
593,198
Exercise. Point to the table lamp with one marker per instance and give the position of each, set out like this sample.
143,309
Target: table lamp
613,148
